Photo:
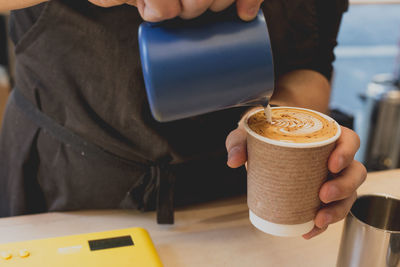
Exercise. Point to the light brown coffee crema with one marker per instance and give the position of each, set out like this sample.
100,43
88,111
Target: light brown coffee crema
293,125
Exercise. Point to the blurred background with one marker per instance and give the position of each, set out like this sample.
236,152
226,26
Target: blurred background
367,71
366,94
369,44
4,64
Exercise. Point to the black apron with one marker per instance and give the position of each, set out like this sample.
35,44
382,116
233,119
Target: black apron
78,133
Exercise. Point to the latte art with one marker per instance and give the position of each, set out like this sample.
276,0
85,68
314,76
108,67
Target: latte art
293,125
296,123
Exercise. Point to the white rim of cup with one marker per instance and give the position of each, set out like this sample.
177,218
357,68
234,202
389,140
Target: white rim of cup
289,144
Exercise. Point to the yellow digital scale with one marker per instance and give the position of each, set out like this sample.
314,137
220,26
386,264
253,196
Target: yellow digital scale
130,247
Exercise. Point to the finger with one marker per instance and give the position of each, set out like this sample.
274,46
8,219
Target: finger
194,8
248,9
132,2
237,148
219,5
107,3
314,232
158,10
343,154
344,185
334,212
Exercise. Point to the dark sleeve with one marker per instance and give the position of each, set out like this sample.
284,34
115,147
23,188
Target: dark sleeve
303,33
22,20
329,16
3,42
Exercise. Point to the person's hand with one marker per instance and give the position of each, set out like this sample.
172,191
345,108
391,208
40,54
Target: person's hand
159,10
338,194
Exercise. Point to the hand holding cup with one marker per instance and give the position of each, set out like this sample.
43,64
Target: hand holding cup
338,193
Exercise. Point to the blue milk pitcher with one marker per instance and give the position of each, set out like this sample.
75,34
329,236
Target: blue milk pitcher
213,62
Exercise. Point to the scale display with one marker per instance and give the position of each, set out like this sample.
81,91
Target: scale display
114,242
130,247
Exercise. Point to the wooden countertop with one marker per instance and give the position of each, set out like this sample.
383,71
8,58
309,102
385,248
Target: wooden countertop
212,234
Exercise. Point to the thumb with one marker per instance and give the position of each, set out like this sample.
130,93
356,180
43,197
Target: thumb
248,9
236,148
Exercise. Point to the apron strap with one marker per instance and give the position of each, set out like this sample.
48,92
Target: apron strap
160,173
62,134
165,194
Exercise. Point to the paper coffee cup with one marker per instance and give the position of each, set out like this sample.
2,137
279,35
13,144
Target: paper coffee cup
284,180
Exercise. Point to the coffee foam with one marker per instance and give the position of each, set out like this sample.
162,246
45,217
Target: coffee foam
294,125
